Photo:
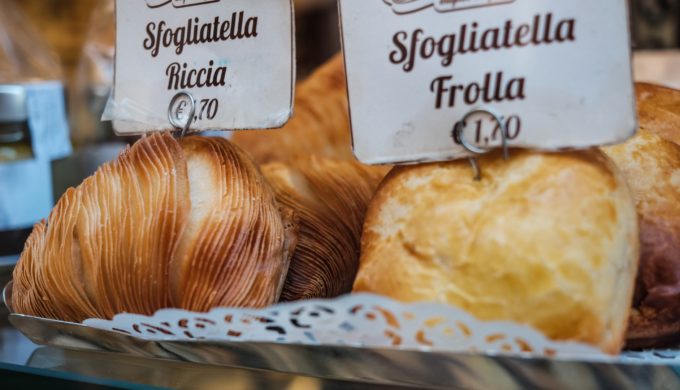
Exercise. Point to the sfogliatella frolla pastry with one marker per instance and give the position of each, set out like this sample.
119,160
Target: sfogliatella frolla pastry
548,240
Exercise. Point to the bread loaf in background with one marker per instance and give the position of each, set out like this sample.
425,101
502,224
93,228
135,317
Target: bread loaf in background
651,164
330,198
189,224
319,126
545,239
652,169
659,110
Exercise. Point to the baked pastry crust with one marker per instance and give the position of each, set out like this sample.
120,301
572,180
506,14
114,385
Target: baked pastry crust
652,168
548,240
659,110
650,162
320,125
330,198
238,240
167,224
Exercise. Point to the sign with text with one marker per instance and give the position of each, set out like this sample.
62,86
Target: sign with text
232,59
556,74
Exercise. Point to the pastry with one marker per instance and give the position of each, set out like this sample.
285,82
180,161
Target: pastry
652,168
545,239
651,164
330,198
189,224
237,245
659,110
319,126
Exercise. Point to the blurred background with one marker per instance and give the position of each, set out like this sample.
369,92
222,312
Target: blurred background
72,41
81,34
51,136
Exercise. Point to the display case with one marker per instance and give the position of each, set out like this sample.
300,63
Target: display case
68,321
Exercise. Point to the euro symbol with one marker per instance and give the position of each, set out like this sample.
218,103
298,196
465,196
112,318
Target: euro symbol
180,109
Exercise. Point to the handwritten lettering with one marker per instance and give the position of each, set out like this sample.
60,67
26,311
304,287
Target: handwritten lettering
411,47
195,32
494,88
180,76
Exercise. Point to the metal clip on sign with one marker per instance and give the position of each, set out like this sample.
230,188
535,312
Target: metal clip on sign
181,112
460,137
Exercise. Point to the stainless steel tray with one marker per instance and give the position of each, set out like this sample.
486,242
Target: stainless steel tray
377,365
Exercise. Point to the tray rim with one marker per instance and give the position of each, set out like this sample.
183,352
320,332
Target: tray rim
429,351
7,295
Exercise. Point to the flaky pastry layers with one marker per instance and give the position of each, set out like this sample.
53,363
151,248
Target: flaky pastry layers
319,126
548,240
190,224
330,198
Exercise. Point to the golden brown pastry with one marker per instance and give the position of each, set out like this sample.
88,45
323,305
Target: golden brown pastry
236,248
319,126
659,110
652,168
330,198
190,224
548,240
649,162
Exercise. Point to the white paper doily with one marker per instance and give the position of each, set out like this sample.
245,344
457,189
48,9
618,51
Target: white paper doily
660,356
362,320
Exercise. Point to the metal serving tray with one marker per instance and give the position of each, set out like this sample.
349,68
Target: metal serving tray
419,368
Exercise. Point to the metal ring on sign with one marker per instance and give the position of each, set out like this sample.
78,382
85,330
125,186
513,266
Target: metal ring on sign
174,112
458,135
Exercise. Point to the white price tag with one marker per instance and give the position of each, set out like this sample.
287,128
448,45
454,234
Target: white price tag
556,74
234,57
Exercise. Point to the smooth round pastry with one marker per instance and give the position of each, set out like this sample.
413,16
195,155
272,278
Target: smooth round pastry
547,240
651,166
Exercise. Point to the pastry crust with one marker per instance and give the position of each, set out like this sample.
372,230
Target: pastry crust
191,225
237,246
651,164
320,125
548,240
330,198
652,169
659,110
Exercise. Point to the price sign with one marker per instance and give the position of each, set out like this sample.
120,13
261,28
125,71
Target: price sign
224,64
544,74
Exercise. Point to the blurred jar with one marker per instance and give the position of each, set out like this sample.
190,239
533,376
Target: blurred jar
93,79
15,135
655,23
33,127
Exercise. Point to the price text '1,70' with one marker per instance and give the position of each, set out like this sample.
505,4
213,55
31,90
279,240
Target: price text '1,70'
206,109
486,131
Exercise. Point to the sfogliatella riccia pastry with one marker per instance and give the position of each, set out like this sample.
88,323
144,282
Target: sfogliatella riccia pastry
191,224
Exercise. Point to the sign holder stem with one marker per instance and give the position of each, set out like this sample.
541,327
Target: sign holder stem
459,136
177,115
